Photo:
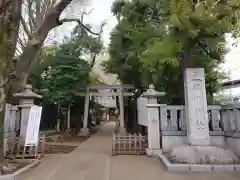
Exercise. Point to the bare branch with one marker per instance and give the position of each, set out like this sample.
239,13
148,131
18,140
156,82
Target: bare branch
18,51
45,6
50,20
79,22
30,15
38,12
87,13
35,12
25,28
21,43
94,56
25,39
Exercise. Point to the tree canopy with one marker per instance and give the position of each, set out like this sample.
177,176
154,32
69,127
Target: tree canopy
64,70
154,41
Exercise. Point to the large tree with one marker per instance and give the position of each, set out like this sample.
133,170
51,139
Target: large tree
10,12
156,40
137,24
12,75
65,70
10,20
14,71
195,37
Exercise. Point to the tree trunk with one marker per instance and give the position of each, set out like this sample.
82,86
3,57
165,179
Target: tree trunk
2,109
9,26
58,119
64,122
58,125
68,117
187,61
26,60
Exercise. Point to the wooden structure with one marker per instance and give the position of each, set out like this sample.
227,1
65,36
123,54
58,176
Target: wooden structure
129,144
16,122
25,152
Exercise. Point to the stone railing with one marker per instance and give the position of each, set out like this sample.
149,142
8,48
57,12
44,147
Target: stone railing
224,125
231,118
172,118
221,118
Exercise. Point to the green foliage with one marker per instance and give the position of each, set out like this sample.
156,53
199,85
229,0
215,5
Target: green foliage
94,79
85,43
64,69
155,40
130,39
61,75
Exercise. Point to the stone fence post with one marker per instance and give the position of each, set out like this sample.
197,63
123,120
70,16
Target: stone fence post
153,121
26,101
9,126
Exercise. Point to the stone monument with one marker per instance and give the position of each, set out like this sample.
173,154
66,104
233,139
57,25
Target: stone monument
196,107
198,150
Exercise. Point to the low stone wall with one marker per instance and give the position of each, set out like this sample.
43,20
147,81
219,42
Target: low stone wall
198,167
233,141
224,126
172,139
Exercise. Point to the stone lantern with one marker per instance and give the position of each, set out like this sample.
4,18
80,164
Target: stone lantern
153,128
27,96
152,94
26,101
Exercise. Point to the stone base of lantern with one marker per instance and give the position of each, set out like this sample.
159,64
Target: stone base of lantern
84,132
202,155
153,152
122,131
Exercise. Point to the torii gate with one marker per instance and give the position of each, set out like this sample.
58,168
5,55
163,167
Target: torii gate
120,93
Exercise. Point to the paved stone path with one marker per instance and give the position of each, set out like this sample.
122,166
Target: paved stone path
92,160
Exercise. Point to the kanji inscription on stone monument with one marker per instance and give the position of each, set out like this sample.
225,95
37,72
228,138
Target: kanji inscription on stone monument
196,107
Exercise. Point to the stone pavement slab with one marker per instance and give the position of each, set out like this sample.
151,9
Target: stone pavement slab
93,160
47,166
150,168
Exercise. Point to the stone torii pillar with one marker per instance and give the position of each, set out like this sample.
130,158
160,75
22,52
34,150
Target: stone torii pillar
85,130
121,103
154,146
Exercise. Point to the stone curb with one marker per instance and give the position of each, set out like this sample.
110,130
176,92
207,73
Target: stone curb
15,175
198,167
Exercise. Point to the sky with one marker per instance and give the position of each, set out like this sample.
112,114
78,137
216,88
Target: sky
101,11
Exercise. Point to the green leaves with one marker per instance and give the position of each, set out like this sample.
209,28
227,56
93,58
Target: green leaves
63,71
65,75
164,52
139,26
154,39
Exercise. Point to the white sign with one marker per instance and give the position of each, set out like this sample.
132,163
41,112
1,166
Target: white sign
33,126
142,111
